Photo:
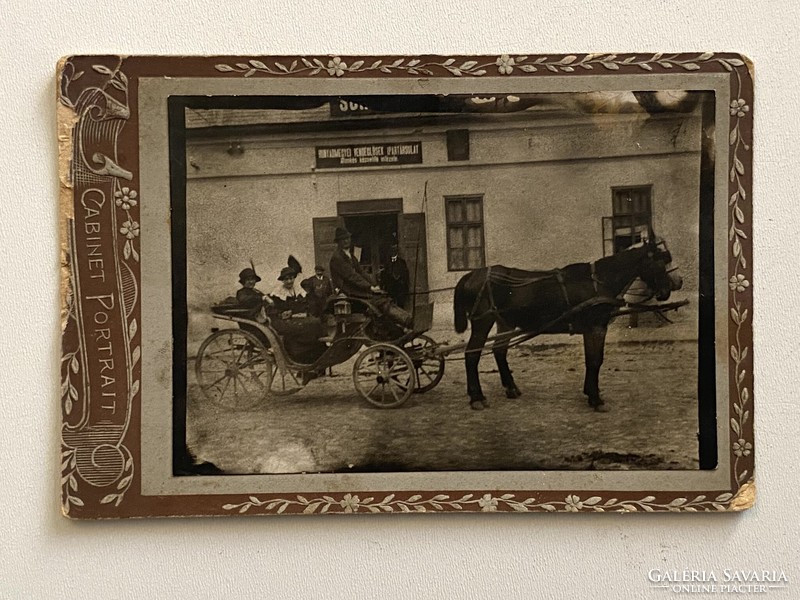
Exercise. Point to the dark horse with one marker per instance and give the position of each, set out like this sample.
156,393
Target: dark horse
580,298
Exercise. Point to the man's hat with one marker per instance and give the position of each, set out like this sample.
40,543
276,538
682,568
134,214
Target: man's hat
287,273
319,268
341,233
248,273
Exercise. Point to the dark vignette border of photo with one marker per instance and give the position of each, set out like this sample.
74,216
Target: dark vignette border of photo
182,461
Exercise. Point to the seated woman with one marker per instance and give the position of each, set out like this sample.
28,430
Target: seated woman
249,297
254,301
288,298
289,315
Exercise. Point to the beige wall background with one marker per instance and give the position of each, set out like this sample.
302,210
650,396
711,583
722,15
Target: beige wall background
419,556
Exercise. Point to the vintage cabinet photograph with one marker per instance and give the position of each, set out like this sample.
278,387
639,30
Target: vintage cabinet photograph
401,284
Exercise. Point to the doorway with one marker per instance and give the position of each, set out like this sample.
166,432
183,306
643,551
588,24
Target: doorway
375,225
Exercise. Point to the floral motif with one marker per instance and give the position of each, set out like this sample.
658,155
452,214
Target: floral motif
130,229
739,108
505,64
487,503
738,283
336,67
742,447
125,198
573,503
349,503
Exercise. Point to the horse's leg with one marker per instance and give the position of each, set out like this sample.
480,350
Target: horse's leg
472,356
500,350
594,341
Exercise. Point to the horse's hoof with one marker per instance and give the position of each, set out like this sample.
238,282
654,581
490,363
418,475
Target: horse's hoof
513,393
602,408
478,404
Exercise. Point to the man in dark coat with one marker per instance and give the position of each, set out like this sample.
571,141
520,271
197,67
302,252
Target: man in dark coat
394,278
349,278
318,289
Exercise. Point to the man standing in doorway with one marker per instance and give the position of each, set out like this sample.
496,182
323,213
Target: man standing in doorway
349,278
394,278
318,289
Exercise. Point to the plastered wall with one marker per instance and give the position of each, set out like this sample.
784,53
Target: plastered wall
546,186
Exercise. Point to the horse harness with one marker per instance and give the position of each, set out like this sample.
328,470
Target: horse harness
557,274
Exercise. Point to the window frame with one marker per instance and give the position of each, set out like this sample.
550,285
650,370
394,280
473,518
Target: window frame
464,226
617,217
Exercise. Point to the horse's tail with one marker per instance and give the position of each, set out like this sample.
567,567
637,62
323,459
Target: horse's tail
461,301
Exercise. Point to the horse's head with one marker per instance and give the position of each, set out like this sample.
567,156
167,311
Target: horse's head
657,269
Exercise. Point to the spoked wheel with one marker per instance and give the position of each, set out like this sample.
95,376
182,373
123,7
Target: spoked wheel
384,375
233,369
428,366
287,382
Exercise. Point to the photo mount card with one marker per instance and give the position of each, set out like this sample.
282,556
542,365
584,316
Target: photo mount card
393,284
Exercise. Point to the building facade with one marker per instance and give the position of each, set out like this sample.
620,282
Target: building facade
534,189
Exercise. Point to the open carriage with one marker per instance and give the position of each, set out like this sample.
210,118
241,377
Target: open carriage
237,367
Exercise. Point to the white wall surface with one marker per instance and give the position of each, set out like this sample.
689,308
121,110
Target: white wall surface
43,555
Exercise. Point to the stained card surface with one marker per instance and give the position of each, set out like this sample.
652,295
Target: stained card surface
401,284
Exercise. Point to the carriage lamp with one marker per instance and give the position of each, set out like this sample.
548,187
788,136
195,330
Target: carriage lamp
342,307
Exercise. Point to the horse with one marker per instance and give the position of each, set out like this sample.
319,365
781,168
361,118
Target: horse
579,298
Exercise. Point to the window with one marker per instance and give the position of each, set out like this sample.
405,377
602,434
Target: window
632,215
464,232
458,144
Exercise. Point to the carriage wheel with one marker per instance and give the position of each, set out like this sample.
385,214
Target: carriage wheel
287,382
384,375
233,369
429,366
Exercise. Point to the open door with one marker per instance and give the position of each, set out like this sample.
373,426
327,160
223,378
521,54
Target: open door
413,248
324,230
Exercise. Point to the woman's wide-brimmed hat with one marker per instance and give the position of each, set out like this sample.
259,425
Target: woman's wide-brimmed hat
287,273
248,273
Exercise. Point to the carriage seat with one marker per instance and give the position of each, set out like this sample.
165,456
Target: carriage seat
230,307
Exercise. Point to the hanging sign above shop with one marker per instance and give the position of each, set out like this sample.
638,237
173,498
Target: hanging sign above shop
368,155
347,108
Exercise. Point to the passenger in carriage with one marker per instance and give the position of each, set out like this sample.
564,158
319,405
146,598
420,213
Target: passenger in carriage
288,297
249,297
349,278
318,289
300,333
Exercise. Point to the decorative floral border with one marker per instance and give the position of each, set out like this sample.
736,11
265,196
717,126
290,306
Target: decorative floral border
502,65
738,283
738,279
488,502
113,107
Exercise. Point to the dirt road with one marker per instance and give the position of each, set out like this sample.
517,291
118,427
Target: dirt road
650,388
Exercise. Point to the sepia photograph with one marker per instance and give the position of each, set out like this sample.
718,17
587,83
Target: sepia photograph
400,284
392,283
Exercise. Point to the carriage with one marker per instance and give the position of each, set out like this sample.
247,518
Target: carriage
240,365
